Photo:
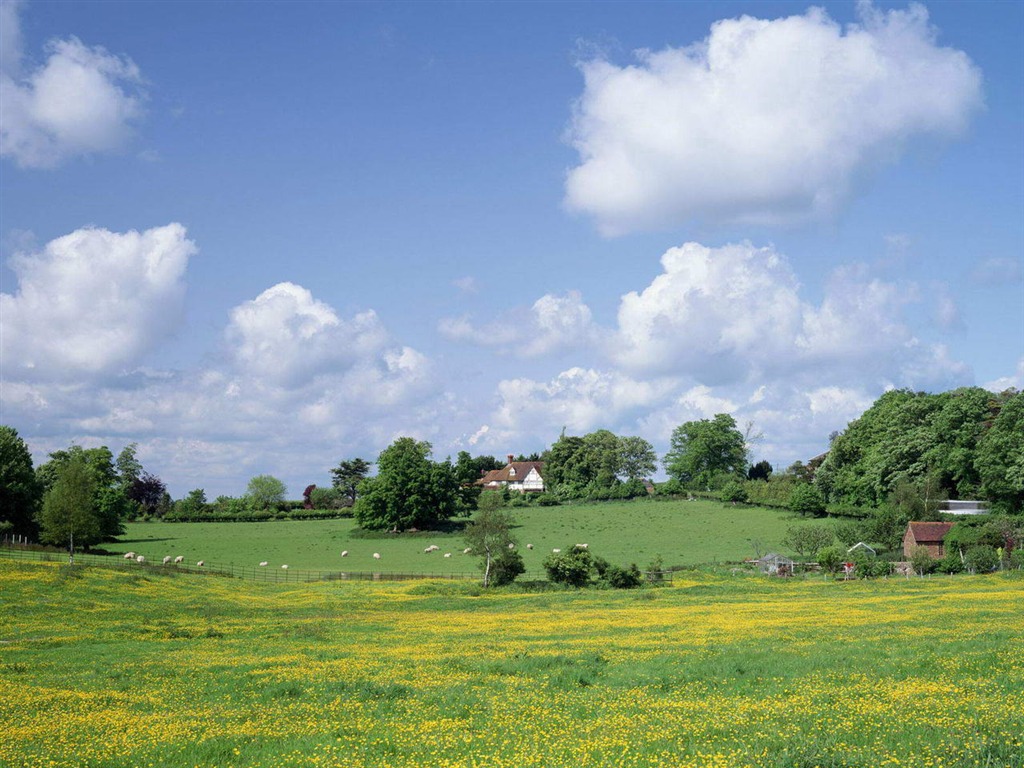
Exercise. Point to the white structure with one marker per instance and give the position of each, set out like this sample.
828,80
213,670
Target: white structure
963,507
522,476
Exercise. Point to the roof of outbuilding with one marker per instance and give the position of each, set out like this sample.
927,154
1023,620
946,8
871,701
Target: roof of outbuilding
930,531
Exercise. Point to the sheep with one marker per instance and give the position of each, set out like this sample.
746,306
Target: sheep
447,554
201,563
167,559
344,553
129,555
263,564
511,545
529,546
178,559
467,550
285,567
376,555
556,550
582,546
140,559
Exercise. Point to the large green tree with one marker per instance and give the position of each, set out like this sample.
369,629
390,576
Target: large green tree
265,492
1000,457
637,458
20,492
70,516
915,439
110,500
348,475
705,449
409,490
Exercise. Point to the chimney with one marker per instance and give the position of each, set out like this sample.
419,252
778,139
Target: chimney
510,457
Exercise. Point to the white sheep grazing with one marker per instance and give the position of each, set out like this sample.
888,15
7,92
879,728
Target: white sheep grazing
167,559
467,550
556,550
447,554
529,546
201,563
344,553
582,546
285,567
376,555
263,564
511,545
178,559
140,559
129,555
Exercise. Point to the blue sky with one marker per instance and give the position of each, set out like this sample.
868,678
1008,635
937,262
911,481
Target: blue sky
259,237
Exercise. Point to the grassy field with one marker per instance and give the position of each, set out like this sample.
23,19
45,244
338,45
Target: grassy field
108,669
681,532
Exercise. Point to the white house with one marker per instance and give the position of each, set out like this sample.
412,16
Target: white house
522,476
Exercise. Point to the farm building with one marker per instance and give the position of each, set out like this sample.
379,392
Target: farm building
522,476
930,535
775,564
963,507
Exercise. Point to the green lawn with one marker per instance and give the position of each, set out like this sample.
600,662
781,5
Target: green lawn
681,532
107,668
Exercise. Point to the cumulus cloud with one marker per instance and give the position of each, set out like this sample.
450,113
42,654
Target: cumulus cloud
713,312
736,313
763,121
1015,380
81,101
551,324
94,302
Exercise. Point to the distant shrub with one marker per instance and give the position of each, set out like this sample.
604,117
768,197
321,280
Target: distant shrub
623,578
807,500
981,559
950,563
506,568
572,568
1017,558
547,500
922,560
831,558
735,492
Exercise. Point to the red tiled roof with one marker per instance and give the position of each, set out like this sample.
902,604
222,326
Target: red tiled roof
504,475
930,532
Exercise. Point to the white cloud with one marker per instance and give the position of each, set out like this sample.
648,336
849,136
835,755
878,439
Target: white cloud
713,312
81,101
1015,381
998,272
467,284
763,121
553,323
93,302
736,313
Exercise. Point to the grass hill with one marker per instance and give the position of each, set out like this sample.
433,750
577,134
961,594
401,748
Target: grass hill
681,532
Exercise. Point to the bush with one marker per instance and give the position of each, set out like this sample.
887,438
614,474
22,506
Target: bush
734,492
981,559
327,498
831,559
547,500
950,563
623,578
572,568
1017,558
922,561
506,568
807,500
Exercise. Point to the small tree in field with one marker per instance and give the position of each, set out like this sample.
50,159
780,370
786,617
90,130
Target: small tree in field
69,509
489,536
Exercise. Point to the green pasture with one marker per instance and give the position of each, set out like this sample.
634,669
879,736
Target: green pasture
107,668
681,532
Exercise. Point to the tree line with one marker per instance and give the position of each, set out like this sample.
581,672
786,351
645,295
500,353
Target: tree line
897,461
